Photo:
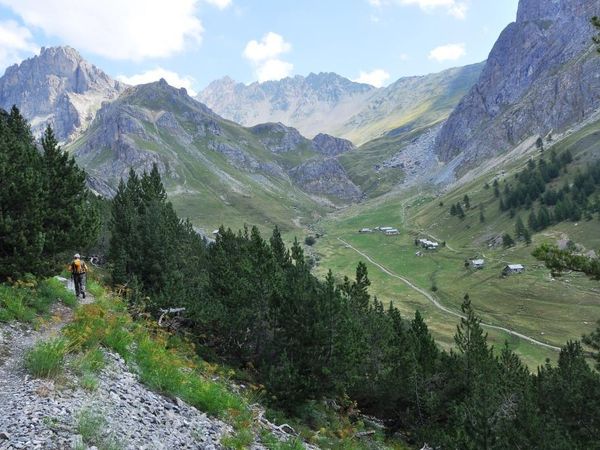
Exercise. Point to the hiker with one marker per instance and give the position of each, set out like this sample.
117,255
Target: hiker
78,270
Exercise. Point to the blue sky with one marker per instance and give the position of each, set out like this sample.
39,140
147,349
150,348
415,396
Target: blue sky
192,42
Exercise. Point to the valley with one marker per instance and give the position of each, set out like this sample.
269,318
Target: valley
549,310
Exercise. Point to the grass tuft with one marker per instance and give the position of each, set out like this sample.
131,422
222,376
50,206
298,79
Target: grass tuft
46,359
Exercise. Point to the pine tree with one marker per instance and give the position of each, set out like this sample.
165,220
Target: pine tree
532,221
507,241
21,199
467,202
527,236
543,218
71,220
520,229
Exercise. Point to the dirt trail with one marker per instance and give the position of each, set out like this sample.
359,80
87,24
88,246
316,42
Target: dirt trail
16,339
443,308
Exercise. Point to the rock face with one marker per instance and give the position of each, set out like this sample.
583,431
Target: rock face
59,88
541,76
278,138
326,177
331,146
329,103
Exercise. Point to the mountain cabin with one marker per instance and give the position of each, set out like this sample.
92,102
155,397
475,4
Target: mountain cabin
513,269
477,263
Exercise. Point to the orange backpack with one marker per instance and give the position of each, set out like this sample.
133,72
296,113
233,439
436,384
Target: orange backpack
77,266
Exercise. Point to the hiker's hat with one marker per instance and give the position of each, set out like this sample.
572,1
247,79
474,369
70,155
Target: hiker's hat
77,255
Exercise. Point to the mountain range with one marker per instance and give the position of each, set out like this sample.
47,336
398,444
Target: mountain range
330,103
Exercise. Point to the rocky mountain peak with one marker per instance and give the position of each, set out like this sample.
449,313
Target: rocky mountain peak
57,87
535,10
541,76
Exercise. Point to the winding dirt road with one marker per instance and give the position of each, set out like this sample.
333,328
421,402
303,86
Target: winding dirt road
441,307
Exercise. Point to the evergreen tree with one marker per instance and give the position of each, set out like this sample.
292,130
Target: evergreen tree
527,236
520,229
71,220
543,218
22,234
467,202
593,340
507,240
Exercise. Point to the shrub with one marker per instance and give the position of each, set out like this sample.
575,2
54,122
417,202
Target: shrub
46,359
89,382
13,304
310,240
52,290
90,424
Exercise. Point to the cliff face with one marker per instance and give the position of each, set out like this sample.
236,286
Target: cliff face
59,88
541,76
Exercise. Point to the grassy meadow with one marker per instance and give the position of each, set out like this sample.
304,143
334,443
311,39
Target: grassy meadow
550,310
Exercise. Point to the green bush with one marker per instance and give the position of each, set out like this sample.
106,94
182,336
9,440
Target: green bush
91,425
89,382
26,298
13,304
46,359
52,290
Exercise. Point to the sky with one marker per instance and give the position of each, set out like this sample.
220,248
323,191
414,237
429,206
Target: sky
193,42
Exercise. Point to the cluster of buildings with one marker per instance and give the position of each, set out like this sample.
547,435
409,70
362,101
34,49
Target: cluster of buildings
509,269
427,244
388,231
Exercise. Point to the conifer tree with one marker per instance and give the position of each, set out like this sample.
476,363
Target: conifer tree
467,202
520,229
21,198
71,220
507,240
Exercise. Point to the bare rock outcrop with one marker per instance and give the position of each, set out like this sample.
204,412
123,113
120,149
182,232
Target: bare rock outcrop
541,76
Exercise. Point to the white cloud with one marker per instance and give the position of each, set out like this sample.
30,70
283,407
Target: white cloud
221,4
449,52
15,42
376,77
270,46
173,78
115,29
274,69
455,8
264,55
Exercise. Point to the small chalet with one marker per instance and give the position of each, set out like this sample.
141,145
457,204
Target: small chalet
513,268
428,245
477,263
391,232
384,229
365,230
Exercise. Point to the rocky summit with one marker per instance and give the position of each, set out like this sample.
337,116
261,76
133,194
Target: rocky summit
57,87
541,77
